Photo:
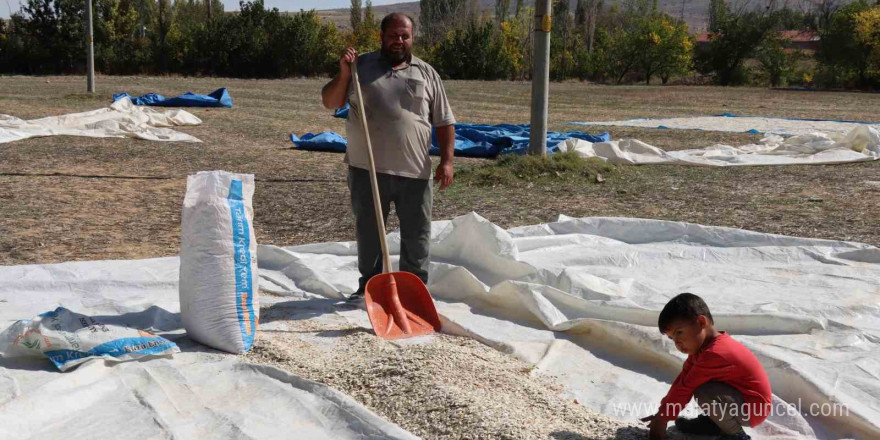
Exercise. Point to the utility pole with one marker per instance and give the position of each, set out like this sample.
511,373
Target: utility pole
208,4
540,79
90,47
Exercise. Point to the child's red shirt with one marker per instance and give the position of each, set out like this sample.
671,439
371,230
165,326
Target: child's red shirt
721,360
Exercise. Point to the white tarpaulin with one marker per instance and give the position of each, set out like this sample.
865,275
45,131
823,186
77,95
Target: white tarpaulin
200,393
860,144
737,124
579,298
121,119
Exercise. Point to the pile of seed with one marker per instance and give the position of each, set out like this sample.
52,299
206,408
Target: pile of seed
441,387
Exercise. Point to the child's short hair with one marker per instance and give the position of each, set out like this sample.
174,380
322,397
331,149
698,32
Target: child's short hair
683,306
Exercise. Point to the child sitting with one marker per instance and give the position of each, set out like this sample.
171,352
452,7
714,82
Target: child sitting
729,384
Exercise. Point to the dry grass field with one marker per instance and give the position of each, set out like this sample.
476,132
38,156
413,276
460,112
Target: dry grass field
70,198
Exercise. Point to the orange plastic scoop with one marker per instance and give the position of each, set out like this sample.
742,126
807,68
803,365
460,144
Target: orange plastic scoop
398,303
400,306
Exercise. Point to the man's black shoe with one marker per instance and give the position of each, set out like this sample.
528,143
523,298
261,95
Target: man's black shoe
356,297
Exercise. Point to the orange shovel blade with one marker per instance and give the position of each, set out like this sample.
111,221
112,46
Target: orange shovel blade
400,306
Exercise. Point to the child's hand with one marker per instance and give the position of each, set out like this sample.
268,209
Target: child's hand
656,427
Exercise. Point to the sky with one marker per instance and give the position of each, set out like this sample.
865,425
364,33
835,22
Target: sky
232,5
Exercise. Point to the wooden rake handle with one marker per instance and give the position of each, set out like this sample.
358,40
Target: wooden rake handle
374,184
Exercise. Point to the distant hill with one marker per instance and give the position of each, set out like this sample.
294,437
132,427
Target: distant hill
342,19
696,12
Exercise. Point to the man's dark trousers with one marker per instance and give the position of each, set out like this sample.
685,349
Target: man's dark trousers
412,200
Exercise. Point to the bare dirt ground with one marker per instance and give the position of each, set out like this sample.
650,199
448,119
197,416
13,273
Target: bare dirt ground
67,198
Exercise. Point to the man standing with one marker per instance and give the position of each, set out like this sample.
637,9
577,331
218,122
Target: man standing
404,99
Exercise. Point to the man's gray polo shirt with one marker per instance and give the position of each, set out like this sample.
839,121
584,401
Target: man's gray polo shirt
401,105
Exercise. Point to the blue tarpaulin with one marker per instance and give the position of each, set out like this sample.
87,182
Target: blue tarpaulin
327,141
471,140
217,98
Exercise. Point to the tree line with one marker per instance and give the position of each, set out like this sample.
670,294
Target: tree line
165,36
621,42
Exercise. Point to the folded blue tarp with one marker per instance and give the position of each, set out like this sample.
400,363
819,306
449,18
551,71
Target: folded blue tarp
217,98
326,141
471,140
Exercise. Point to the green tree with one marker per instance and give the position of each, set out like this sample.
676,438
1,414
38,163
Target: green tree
355,15
665,47
502,10
776,65
868,34
618,53
438,17
370,20
161,25
312,47
133,36
366,37
718,12
510,49
473,52
561,56
15,55
634,9
5,45
843,58
525,23
735,37
514,34
580,15
472,13
131,48
792,19
594,11
55,32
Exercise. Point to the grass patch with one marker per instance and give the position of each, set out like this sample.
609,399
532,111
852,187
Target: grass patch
512,169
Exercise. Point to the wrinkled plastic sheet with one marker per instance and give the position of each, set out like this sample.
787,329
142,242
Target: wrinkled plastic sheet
121,119
578,298
471,140
861,144
217,98
199,393
738,124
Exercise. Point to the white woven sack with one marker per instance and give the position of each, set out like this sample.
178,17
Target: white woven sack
218,261
69,339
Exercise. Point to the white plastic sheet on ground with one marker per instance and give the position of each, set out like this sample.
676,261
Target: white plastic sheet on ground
121,119
579,298
860,144
198,394
737,124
